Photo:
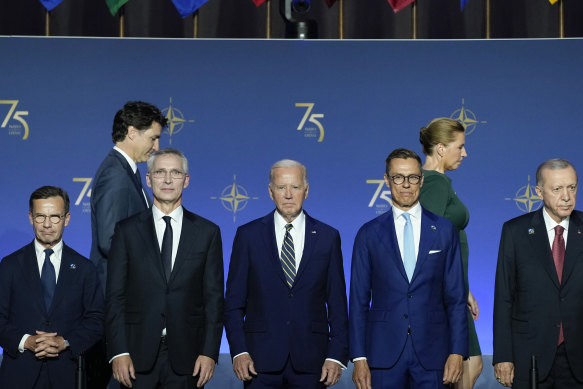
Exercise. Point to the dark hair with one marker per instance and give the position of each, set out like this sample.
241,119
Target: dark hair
552,164
402,154
440,130
138,114
45,192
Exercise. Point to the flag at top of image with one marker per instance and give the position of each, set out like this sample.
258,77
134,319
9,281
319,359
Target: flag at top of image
115,5
329,3
553,1
398,5
50,4
187,7
463,4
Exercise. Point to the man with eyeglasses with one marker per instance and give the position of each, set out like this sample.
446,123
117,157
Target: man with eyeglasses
408,326
51,303
164,298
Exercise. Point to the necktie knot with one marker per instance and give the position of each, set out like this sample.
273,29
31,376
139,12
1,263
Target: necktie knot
48,253
167,219
288,227
559,229
407,217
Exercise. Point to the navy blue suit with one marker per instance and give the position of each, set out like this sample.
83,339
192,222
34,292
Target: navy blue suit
272,322
384,305
115,195
76,314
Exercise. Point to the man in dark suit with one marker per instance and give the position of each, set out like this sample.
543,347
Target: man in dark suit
51,303
285,305
164,298
408,325
538,299
117,192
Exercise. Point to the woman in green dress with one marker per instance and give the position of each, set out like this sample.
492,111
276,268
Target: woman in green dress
443,142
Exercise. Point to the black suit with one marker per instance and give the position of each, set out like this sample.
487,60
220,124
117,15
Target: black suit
140,303
530,302
76,314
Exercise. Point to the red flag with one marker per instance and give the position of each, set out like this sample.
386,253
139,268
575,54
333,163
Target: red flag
258,2
330,3
399,4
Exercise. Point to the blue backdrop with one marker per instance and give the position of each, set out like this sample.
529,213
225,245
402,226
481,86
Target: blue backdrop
338,106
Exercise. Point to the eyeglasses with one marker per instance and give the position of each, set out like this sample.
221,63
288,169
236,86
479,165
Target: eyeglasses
399,179
39,218
174,174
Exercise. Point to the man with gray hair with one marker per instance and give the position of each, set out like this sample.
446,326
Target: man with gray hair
285,306
538,299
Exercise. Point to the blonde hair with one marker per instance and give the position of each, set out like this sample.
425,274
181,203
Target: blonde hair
439,130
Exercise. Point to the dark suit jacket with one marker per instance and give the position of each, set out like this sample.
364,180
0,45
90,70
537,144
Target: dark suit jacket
529,302
384,305
114,197
266,318
139,302
76,314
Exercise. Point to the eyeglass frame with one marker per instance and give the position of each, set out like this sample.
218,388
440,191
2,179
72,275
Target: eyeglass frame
157,174
36,217
408,178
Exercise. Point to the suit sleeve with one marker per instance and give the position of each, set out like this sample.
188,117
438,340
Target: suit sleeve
503,292
111,204
115,296
455,297
10,335
236,295
213,297
360,295
89,328
337,305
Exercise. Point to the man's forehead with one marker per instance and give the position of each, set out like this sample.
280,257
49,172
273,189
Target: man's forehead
556,174
402,165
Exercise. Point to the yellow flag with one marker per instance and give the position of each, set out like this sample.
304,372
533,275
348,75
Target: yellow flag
553,1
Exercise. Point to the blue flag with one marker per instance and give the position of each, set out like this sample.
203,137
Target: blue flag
186,7
463,4
50,4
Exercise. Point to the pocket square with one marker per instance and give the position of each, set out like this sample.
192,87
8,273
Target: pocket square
434,251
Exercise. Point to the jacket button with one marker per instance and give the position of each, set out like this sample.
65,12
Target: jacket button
406,316
409,295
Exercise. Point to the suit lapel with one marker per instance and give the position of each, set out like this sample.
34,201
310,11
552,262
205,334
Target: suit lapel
151,248
30,268
310,239
139,188
429,233
66,275
270,243
188,236
574,245
539,239
388,238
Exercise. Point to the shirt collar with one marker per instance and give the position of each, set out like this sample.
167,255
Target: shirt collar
415,212
550,224
40,249
176,214
133,164
280,222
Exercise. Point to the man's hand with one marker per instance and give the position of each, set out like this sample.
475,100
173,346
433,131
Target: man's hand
452,371
361,375
504,372
45,344
123,370
204,368
331,372
243,367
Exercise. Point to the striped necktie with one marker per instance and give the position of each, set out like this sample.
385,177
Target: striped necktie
288,256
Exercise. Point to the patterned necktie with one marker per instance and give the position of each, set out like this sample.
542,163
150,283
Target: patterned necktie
166,252
409,259
288,256
48,278
559,259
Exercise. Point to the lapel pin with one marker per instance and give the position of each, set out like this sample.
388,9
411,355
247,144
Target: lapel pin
72,266
314,231
530,231
579,232
433,228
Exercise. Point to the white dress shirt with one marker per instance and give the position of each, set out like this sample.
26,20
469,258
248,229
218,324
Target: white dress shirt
550,224
298,234
400,221
133,165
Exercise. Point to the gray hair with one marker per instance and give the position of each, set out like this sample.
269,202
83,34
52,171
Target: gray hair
167,151
552,164
288,163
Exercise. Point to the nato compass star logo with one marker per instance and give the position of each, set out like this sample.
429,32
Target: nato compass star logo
467,118
234,198
526,198
176,120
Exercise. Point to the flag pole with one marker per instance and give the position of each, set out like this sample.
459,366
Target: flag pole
488,21
414,19
561,20
195,24
341,19
268,19
121,22
47,24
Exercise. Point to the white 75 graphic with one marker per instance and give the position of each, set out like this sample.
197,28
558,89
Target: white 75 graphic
16,115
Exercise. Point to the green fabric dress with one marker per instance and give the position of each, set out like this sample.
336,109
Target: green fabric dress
437,196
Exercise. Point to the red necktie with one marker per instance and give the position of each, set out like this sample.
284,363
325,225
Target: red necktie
559,258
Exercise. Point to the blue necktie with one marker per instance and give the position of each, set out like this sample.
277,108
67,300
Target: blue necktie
48,279
409,259
288,257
